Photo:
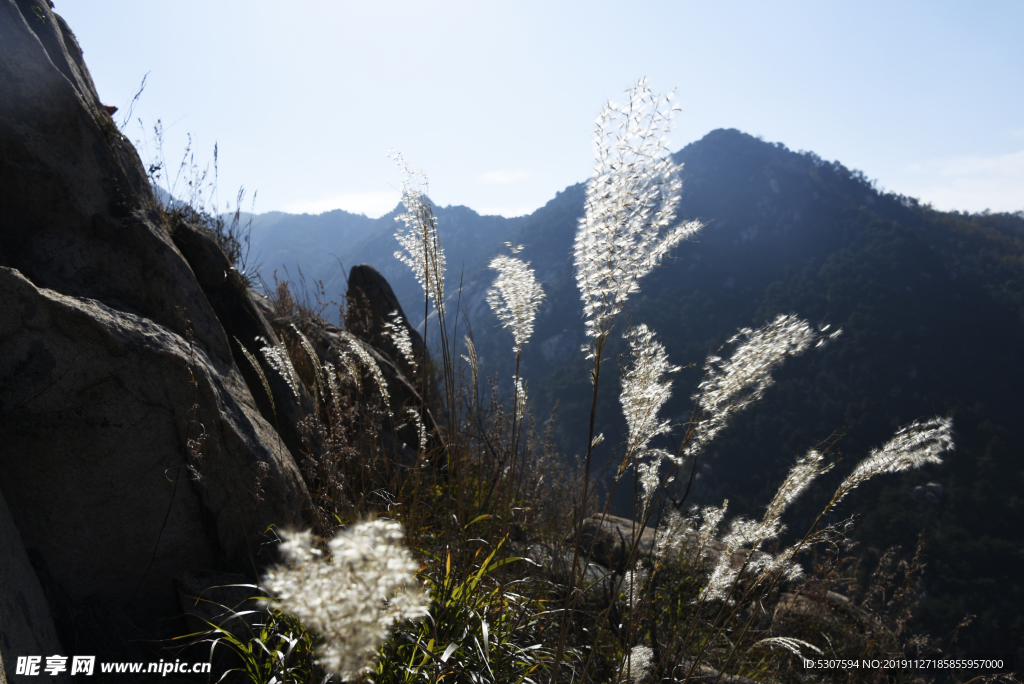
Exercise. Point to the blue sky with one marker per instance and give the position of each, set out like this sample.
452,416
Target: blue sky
497,101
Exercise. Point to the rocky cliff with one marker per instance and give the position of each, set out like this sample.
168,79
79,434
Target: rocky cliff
137,443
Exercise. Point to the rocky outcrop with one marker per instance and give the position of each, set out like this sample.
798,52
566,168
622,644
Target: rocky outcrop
608,540
247,330
371,303
596,579
330,343
133,448
26,628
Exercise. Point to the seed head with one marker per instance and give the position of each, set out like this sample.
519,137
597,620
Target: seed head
644,389
423,253
515,297
353,598
399,334
639,663
911,447
730,386
630,201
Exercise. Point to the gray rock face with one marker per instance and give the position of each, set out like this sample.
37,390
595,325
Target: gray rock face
328,341
611,538
595,579
26,627
247,329
372,302
132,447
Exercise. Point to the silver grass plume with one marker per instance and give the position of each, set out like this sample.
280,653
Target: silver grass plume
912,446
353,370
419,239
790,644
521,388
732,385
280,361
353,598
751,535
515,296
650,477
370,364
639,663
314,360
800,476
743,534
630,200
633,586
421,430
671,534
259,371
644,392
399,334
472,361
712,518
331,379
748,533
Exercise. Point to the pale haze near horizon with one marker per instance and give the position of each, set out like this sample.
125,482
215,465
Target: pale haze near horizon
497,103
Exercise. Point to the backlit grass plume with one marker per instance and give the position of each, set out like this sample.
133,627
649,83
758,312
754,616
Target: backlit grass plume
625,232
732,385
280,361
369,363
353,598
630,204
644,392
644,389
424,255
911,447
515,297
638,664
399,334
423,252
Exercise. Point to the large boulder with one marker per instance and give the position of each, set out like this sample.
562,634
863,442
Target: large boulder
26,628
371,304
132,448
607,539
249,333
330,344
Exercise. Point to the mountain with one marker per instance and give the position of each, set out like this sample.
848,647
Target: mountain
325,246
932,308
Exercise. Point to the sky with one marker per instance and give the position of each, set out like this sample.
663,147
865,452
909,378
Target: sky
497,102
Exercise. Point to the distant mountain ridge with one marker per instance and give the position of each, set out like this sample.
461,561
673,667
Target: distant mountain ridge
320,244
932,307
